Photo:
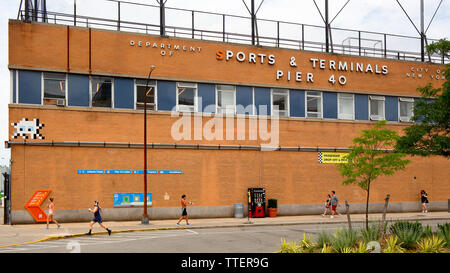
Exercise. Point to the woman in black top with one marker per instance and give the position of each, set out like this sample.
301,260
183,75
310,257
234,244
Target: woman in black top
327,205
97,218
424,200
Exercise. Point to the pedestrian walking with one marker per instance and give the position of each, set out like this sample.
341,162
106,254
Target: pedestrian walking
97,218
184,204
334,201
327,205
51,213
424,200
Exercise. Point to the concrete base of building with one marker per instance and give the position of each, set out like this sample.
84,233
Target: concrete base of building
161,213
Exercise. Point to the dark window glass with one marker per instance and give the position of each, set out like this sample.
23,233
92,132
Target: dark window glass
142,90
101,92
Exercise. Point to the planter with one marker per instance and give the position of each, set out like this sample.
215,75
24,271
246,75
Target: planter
272,212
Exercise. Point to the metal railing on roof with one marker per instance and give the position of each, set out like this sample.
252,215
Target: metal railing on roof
295,35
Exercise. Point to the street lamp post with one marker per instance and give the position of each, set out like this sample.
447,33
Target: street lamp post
145,219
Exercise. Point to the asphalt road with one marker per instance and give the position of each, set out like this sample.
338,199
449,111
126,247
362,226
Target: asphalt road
252,239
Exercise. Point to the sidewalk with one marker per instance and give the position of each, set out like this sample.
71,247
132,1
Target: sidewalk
23,234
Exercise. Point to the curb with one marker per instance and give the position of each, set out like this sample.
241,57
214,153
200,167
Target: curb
336,221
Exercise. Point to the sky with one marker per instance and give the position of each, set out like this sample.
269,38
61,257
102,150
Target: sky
384,16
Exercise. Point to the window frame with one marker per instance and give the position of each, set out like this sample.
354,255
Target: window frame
11,87
339,115
404,99
321,103
217,98
279,91
155,101
66,87
90,91
381,99
188,85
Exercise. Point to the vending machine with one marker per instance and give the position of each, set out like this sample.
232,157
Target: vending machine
257,202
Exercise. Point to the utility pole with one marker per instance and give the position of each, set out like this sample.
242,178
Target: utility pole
253,21
422,32
145,218
326,27
162,17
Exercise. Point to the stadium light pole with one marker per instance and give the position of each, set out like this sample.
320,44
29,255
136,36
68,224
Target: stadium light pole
145,219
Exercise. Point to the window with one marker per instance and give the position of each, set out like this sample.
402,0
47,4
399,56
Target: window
406,106
280,102
101,92
376,107
54,88
186,97
141,90
346,106
226,99
313,104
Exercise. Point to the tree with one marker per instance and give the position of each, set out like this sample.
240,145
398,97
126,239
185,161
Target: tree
370,158
431,134
442,48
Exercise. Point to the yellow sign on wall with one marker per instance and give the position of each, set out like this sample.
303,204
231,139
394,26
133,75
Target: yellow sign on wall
330,157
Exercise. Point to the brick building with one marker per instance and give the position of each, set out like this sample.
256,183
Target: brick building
76,123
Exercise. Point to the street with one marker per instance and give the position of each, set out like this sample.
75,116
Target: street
251,239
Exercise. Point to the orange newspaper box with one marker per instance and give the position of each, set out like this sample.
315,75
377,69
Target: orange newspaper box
34,205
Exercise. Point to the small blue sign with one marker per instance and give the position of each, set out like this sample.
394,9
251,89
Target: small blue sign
129,172
170,172
142,172
131,199
118,172
90,171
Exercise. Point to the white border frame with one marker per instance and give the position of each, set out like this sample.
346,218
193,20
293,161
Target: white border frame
135,94
17,86
306,103
11,86
66,88
217,98
354,106
379,98
195,96
287,102
254,110
412,111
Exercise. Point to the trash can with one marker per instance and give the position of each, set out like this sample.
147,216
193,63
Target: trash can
238,210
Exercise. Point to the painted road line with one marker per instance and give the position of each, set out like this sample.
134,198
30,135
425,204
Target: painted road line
192,231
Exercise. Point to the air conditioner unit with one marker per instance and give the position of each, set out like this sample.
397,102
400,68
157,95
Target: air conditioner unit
61,102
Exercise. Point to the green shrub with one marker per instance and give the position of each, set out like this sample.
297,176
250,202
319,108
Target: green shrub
408,233
444,232
392,245
431,244
326,249
344,239
427,232
307,244
287,247
272,203
361,248
324,238
372,234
